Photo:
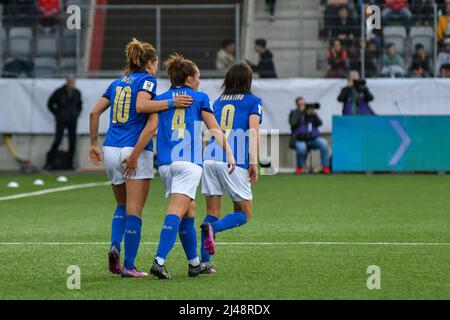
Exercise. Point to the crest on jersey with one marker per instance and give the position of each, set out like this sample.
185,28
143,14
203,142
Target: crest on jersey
148,85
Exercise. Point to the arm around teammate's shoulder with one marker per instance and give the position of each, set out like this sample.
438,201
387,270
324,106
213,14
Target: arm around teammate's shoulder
145,104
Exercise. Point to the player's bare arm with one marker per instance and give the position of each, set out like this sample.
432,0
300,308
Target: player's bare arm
144,104
94,119
253,148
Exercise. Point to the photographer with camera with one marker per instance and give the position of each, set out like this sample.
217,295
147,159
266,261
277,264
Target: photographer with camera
356,96
305,135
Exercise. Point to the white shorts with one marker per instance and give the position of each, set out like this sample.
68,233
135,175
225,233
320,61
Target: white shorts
216,181
113,157
181,177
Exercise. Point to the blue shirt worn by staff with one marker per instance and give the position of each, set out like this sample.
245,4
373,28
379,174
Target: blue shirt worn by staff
126,123
179,130
232,112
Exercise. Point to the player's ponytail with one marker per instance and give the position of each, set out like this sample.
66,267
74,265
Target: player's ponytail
179,69
138,55
238,79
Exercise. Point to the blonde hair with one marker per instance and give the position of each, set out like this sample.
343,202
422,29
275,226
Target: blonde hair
138,55
179,68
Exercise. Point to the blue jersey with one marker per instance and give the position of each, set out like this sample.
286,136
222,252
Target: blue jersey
126,123
232,112
179,130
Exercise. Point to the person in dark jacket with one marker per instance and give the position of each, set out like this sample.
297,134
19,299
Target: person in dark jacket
65,104
305,124
265,67
355,97
420,66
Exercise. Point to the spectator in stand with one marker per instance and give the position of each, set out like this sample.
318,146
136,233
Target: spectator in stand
265,67
420,66
345,28
371,59
356,97
331,14
18,68
270,7
48,10
225,56
305,124
23,12
443,60
423,12
393,63
397,8
337,61
354,59
443,26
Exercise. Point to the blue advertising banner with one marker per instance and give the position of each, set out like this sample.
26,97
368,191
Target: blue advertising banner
391,143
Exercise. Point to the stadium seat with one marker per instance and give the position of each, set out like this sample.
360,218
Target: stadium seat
69,43
423,35
67,66
396,35
46,45
20,39
45,67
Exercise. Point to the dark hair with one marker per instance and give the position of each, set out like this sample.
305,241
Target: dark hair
238,79
261,42
227,42
179,69
138,55
390,45
419,46
298,99
343,7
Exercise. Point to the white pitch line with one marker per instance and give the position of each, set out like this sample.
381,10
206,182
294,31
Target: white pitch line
305,243
52,190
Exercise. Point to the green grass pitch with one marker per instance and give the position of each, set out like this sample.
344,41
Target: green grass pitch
280,254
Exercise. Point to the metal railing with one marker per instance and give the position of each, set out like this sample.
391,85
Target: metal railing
196,31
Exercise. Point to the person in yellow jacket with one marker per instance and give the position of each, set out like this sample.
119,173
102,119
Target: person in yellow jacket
443,26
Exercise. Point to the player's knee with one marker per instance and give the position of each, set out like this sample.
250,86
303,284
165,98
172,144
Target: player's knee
248,214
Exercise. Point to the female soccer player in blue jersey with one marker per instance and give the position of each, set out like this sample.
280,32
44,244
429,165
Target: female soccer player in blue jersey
239,113
129,96
180,160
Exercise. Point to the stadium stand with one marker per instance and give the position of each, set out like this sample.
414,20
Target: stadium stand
67,66
396,35
20,40
47,44
45,67
298,36
423,35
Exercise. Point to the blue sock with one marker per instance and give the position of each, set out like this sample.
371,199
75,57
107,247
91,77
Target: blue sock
230,221
118,226
132,239
188,237
206,257
168,236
